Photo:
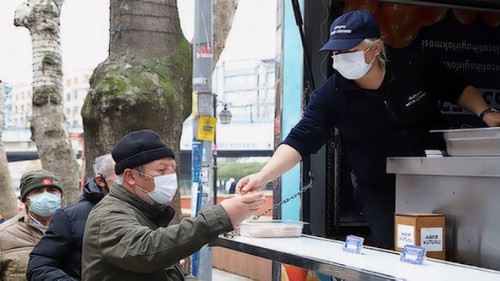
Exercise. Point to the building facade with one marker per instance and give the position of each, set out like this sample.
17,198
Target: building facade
16,111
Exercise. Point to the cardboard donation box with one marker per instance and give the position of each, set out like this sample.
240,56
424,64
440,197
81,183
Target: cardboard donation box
421,229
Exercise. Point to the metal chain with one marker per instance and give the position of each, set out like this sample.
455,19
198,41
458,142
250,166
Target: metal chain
302,190
236,231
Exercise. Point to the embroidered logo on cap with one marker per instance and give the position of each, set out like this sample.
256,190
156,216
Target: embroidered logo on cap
47,181
341,29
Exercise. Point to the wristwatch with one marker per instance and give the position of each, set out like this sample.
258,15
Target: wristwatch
486,111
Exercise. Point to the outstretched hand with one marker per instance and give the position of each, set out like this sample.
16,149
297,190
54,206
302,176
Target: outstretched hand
242,207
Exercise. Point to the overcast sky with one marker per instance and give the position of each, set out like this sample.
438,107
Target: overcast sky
85,35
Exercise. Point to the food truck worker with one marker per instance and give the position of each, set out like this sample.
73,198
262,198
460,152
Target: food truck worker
380,112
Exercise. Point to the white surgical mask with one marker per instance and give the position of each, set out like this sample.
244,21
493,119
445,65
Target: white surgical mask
165,188
352,65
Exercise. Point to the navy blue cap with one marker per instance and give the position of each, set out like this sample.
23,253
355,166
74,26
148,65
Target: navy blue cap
350,29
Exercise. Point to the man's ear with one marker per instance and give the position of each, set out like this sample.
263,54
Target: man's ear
100,180
129,177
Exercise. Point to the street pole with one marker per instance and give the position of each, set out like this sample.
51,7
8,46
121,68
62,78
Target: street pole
203,128
214,154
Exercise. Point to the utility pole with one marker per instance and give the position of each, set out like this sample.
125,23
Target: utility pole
203,128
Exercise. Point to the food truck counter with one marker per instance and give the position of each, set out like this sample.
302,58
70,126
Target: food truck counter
466,190
327,257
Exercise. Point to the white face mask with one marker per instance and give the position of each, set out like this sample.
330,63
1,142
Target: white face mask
165,188
352,65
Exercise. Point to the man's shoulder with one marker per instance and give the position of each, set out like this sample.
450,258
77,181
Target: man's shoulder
13,232
70,216
80,206
108,205
10,223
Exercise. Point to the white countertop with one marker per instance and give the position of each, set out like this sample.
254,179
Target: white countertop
329,258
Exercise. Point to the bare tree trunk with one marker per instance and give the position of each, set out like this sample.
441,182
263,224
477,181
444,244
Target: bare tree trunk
8,204
48,122
144,83
223,18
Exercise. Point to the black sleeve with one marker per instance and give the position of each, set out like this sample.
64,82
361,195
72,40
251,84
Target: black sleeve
51,251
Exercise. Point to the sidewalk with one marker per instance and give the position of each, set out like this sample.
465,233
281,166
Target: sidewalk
221,275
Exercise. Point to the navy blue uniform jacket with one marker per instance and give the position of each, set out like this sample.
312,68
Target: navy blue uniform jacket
58,255
393,120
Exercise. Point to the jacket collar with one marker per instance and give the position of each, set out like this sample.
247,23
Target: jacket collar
91,192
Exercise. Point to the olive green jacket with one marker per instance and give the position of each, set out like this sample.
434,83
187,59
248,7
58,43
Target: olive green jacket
128,239
18,237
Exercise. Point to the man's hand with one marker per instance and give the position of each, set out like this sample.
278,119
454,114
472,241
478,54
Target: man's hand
242,207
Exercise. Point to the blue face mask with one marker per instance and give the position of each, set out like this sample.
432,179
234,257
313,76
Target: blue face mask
45,204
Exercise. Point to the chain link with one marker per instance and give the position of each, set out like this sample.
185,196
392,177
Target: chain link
302,190
236,231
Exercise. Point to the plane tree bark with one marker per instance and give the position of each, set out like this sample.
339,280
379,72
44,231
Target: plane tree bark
8,206
48,122
146,81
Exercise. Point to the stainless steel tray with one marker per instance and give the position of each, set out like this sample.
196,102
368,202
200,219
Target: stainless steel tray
472,142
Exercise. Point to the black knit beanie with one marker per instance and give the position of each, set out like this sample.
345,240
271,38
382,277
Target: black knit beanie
139,148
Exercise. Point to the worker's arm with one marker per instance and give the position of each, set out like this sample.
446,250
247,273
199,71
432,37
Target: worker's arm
471,100
284,158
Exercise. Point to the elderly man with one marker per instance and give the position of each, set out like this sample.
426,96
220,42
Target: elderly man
41,193
58,255
127,236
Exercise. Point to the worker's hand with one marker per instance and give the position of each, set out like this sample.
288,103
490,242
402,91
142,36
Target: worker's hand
492,119
242,207
250,183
